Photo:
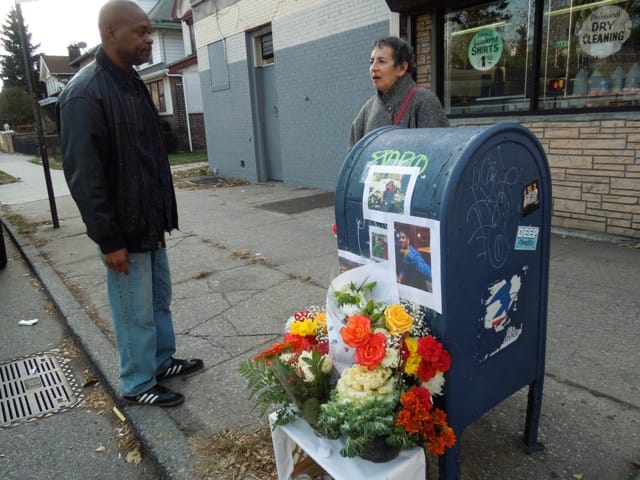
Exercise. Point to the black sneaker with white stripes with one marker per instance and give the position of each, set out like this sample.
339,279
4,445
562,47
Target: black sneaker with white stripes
181,367
157,396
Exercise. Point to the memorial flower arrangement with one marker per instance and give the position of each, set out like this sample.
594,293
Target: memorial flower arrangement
387,392
294,375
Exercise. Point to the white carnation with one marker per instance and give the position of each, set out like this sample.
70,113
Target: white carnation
435,384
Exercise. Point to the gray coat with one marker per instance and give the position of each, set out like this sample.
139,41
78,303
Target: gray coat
425,110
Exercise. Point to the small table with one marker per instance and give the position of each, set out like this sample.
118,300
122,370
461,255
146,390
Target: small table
409,465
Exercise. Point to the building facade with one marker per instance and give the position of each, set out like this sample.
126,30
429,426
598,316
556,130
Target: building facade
282,80
568,70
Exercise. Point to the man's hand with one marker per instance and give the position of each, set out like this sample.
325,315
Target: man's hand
118,260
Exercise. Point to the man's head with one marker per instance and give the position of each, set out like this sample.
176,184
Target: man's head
125,31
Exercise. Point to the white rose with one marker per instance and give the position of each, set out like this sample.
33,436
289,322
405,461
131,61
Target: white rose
305,368
327,364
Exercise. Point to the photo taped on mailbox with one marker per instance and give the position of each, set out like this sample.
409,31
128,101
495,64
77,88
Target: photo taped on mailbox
388,190
348,261
414,253
378,244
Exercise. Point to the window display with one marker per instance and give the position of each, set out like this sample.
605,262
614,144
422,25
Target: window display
590,54
488,59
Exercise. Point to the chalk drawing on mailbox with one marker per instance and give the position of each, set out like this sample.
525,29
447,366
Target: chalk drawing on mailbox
499,327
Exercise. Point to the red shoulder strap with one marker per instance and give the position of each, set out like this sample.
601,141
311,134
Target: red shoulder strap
404,106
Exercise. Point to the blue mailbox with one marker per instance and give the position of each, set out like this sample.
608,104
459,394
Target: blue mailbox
475,203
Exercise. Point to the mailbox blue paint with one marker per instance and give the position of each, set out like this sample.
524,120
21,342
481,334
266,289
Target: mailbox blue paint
483,197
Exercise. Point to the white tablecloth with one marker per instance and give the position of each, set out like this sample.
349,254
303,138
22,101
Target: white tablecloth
409,465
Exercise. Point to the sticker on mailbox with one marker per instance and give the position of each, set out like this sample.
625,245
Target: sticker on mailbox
530,198
527,238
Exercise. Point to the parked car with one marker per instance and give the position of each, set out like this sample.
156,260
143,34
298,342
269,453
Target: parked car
3,250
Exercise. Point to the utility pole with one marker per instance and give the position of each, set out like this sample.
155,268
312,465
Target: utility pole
36,115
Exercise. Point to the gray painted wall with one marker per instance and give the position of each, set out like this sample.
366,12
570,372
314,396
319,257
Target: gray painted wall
321,86
229,124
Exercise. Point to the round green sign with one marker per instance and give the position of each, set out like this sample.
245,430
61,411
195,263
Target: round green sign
485,49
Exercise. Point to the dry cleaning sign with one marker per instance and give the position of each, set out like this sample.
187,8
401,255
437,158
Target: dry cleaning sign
485,49
604,31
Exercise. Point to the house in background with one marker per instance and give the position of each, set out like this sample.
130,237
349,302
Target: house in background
171,74
57,70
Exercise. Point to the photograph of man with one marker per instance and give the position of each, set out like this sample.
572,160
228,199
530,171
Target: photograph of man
413,256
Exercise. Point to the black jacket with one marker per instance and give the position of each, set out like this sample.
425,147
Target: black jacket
114,158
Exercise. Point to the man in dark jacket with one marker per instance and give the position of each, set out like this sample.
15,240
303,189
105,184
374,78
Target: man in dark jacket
117,169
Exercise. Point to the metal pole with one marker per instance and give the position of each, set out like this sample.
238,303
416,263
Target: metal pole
36,116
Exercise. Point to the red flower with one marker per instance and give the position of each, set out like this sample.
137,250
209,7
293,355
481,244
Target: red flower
323,347
373,352
267,355
357,331
434,358
298,344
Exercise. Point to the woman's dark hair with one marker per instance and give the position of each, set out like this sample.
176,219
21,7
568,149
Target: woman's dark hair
402,51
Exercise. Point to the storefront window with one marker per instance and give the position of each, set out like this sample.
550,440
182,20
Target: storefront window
590,54
489,58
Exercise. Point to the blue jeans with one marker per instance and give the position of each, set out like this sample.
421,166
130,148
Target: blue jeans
140,309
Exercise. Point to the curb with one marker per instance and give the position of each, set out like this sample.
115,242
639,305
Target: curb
167,445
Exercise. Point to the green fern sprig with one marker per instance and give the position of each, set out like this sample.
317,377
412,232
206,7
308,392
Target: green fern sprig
263,385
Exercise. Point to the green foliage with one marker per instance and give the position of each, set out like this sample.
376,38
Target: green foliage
362,423
12,69
15,106
263,385
279,384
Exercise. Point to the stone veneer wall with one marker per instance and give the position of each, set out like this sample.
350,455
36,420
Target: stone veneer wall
594,158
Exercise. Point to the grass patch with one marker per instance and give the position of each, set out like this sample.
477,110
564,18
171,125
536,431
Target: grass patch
54,163
174,159
5,178
187,157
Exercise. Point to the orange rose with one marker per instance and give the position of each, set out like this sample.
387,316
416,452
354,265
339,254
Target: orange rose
373,352
357,331
397,320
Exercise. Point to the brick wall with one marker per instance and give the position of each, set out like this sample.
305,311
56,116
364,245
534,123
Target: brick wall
594,159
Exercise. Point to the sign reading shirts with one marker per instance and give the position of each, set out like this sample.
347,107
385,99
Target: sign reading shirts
604,31
485,49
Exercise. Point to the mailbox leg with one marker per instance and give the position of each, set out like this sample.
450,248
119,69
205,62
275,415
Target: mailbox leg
449,462
534,405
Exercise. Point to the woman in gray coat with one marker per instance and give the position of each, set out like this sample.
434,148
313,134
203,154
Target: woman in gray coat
398,100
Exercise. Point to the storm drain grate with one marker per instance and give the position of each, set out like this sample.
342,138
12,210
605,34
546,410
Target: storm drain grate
36,386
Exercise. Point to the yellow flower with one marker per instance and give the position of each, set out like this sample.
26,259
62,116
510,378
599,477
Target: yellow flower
321,318
397,319
413,361
304,327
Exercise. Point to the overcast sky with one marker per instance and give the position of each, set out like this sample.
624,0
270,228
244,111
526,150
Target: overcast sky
54,24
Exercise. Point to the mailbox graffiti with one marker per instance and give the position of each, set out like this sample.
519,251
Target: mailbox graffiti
401,159
498,328
491,208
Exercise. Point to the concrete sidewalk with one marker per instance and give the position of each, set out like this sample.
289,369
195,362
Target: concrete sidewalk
240,270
